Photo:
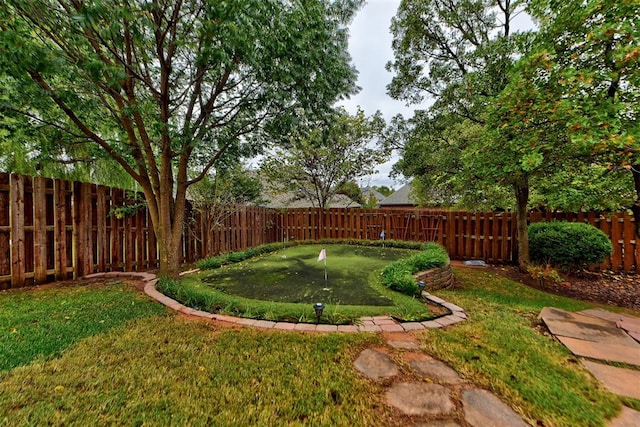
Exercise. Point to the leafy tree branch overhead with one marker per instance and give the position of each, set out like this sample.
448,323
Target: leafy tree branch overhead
165,88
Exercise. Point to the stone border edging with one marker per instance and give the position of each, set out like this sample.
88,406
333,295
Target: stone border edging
367,324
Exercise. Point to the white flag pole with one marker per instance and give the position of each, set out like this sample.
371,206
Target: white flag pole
325,270
323,257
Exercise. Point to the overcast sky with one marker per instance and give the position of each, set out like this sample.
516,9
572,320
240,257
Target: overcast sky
370,48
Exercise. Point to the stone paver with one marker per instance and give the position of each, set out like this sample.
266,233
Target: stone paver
482,409
629,324
266,324
375,364
602,351
392,328
305,327
412,326
436,371
589,331
384,321
284,326
369,328
431,324
454,308
420,398
621,381
593,334
327,328
438,423
434,298
627,418
601,314
447,320
551,313
247,322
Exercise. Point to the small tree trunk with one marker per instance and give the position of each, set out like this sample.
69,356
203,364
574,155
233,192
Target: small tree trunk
521,188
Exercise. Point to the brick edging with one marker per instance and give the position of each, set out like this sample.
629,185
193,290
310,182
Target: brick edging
367,324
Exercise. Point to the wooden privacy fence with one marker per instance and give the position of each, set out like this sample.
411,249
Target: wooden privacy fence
490,236
56,230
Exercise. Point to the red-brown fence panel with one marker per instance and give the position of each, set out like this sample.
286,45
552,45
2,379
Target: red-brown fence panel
56,230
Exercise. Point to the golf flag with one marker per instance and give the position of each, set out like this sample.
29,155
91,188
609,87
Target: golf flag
323,255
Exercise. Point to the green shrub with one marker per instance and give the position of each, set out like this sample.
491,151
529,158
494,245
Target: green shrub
568,244
209,263
399,275
214,262
432,256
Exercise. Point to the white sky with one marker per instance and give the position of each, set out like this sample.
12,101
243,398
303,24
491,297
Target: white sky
370,48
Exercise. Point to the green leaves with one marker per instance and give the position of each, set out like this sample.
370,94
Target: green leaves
323,154
164,88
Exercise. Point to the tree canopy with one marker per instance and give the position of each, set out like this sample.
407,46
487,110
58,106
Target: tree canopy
165,88
322,156
552,116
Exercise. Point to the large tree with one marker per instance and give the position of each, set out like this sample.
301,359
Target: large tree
458,53
325,154
586,60
165,87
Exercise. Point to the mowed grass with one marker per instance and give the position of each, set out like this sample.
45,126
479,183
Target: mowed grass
503,347
41,323
168,371
284,286
295,275
154,368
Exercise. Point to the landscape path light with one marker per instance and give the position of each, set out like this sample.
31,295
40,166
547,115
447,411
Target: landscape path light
318,307
421,287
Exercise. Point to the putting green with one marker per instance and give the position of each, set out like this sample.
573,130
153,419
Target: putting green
295,275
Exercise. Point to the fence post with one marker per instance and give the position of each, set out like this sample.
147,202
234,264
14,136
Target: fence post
16,219
39,231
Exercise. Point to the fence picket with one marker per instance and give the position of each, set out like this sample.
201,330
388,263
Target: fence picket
55,228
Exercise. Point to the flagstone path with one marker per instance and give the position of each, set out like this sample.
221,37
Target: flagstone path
600,335
424,391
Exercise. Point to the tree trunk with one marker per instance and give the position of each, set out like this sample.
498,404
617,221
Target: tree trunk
167,217
521,188
635,170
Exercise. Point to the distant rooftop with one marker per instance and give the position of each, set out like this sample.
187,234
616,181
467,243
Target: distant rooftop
402,197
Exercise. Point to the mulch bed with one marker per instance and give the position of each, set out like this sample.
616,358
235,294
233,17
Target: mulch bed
605,287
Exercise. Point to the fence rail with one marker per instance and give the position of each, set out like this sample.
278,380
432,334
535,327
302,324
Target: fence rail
55,230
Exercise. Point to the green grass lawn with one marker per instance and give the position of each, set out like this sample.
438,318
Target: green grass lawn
295,275
285,284
126,361
41,323
165,370
503,346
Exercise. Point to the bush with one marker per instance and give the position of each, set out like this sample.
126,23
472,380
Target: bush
568,244
399,275
214,262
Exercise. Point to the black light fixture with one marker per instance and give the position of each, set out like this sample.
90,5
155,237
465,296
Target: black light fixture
421,287
318,307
